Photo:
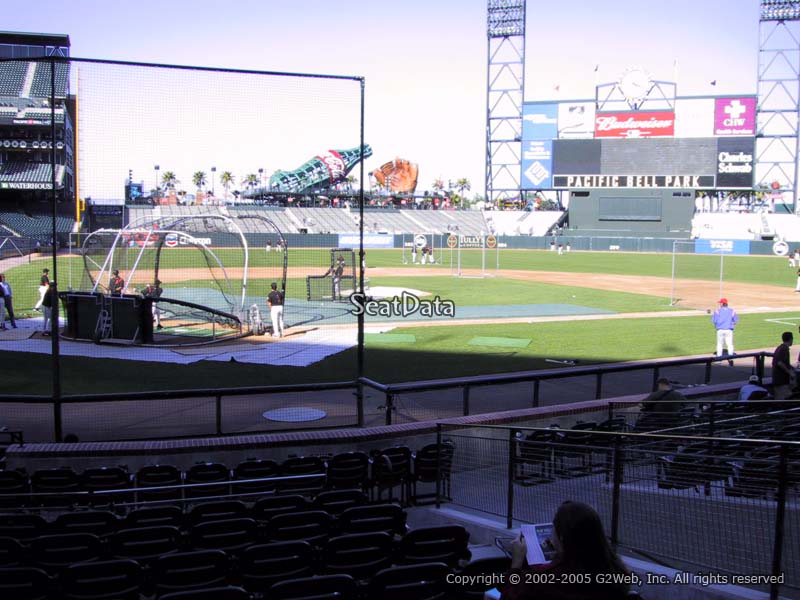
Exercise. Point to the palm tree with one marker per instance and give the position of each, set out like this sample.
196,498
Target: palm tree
251,180
462,185
351,181
226,180
438,185
169,180
199,180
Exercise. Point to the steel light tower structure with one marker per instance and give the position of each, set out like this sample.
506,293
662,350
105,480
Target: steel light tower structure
778,114
505,86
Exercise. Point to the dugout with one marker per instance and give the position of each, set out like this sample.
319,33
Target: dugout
631,212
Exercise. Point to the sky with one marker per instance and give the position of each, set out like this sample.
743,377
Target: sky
424,65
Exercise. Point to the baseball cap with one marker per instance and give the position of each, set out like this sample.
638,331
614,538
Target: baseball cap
753,379
662,380
45,270
723,300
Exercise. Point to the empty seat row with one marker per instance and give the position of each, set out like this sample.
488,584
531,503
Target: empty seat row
340,511
178,578
385,470
448,544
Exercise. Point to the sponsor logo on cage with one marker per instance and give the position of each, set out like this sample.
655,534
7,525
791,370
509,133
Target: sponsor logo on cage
405,305
171,240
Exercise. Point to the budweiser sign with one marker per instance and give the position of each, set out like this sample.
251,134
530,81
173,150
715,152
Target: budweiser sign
634,124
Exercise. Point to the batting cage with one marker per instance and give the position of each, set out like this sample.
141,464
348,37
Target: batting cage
192,201
338,282
193,270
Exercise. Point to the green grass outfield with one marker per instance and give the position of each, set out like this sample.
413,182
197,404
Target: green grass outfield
442,351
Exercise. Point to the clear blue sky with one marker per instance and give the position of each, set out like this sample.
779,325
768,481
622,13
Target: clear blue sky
424,62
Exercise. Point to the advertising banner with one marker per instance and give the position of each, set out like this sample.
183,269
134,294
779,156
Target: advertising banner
537,164
635,124
734,116
539,121
371,240
722,247
735,162
576,120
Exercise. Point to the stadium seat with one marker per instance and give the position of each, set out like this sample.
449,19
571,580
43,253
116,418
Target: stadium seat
158,476
359,555
12,552
447,544
312,526
266,508
217,511
207,473
537,449
348,470
57,487
144,544
429,464
22,527
106,580
255,469
212,593
262,565
153,516
189,570
324,587
373,518
55,552
427,581
335,502
98,522
391,467
106,479
14,489
24,583
230,535
303,465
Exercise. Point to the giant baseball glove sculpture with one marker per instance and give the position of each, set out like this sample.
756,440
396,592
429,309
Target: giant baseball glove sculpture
398,175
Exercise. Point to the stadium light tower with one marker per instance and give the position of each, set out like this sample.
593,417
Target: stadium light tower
156,168
504,97
213,179
778,115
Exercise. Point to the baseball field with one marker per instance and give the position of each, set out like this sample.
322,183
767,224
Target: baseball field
538,310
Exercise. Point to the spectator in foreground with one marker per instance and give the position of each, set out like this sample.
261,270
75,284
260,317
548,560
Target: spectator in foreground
752,390
582,550
783,377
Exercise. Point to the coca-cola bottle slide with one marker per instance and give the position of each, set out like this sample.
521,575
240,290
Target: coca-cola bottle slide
326,169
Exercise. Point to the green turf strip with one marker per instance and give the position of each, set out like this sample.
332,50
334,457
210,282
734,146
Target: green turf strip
390,337
501,342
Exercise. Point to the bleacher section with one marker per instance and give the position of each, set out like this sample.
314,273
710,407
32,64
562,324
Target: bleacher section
277,216
325,220
519,222
38,227
42,78
12,78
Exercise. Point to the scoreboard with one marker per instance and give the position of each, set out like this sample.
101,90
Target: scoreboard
571,145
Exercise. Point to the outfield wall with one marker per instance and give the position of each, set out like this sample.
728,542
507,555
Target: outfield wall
596,244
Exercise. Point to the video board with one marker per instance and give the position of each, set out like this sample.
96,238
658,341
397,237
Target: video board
706,142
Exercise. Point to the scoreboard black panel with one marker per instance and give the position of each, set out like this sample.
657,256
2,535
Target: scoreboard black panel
705,163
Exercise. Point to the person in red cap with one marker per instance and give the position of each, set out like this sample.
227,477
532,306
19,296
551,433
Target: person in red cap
725,319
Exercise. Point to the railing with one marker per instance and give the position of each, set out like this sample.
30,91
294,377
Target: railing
454,397
727,505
